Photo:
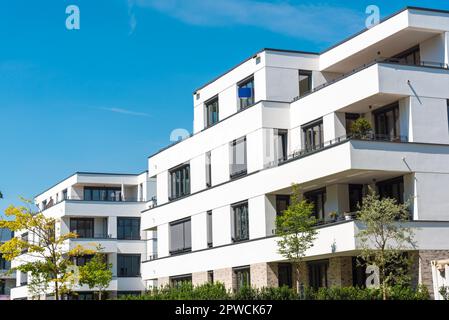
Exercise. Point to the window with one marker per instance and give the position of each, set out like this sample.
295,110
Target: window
282,203
128,265
82,260
180,236
83,296
209,229
208,169
246,93
64,194
318,273
387,122
350,119
24,238
4,264
212,112
238,158
83,227
393,188
355,196
318,198
180,182
358,272
210,276
280,145
411,56
285,275
128,228
241,223
177,281
102,194
448,113
242,277
2,287
305,82
313,135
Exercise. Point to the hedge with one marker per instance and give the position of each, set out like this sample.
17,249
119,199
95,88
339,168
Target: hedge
217,291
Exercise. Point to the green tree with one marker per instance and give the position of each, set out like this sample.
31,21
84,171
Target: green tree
296,229
96,273
384,239
44,254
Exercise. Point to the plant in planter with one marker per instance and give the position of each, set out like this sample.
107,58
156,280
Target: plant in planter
333,215
360,128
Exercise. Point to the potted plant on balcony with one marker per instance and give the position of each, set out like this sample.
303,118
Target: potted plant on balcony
360,128
333,215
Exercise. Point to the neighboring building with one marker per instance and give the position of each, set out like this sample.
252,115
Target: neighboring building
7,279
102,209
283,117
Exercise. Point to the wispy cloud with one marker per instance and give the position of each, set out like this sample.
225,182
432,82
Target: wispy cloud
126,111
318,23
132,17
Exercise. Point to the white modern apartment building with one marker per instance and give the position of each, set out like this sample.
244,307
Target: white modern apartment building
102,209
7,278
283,117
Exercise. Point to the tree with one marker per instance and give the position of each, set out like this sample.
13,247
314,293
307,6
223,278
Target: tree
295,227
43,254
96,273
384,239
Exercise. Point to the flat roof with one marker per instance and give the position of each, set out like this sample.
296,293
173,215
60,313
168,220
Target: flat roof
90,173
325,50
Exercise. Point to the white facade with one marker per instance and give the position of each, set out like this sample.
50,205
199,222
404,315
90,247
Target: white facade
7,278
103,209
395,75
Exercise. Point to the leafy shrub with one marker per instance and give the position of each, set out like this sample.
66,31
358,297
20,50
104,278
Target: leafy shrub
360,127
217,291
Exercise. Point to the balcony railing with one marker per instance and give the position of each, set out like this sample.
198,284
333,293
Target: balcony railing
431,64
315,148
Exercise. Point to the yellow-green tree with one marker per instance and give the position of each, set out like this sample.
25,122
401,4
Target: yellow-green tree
97,273
44,255
296,229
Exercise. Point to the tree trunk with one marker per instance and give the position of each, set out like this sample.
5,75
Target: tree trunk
298,280
56,290
99,295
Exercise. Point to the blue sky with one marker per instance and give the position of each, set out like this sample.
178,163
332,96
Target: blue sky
106,96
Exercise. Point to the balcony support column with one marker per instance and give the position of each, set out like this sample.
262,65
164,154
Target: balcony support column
112,227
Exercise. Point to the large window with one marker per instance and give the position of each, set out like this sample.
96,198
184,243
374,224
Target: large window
318,198
246,93
177,281
179,181
209,229
4,264
242,277
285,275
393,188
128,265
282,203
102,194
82,260
355,196
83,227
238,158
211,107
313,135
208,169
305,82
350,119
411,57
358,272
241,222
180,236
2,287
128,228
387,122
280,145
318,273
